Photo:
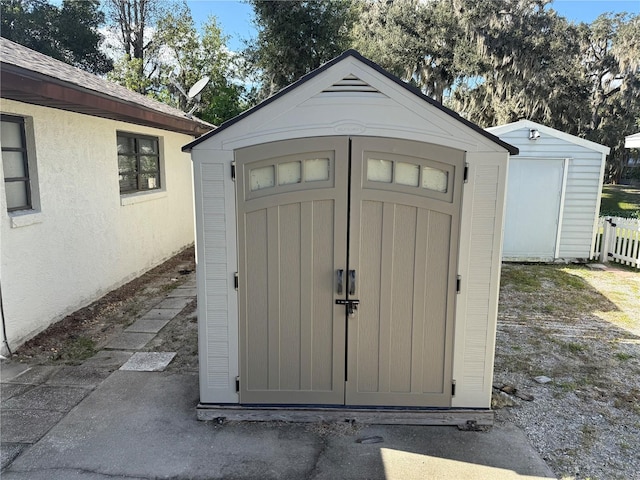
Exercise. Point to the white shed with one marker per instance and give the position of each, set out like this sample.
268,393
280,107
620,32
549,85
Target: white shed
554,192
632,141
355,259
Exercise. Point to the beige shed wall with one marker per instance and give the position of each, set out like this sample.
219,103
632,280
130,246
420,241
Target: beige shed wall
309,111
476,305
86,239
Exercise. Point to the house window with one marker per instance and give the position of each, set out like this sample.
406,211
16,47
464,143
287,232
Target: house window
15,163
138,163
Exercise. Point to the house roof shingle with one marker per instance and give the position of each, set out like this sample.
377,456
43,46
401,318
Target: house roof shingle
32,77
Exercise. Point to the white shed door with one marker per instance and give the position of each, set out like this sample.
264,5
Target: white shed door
347,266
534,192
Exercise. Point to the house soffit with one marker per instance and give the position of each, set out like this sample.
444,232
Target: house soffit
23,85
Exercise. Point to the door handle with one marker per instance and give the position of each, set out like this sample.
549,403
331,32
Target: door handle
340,277
352,282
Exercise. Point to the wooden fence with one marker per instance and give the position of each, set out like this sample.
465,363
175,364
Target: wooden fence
617,240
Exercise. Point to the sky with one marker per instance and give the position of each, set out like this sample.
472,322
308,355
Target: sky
235,17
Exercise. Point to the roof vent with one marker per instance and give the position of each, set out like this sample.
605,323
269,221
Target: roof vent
351,84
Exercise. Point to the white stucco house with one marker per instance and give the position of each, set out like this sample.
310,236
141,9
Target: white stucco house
554,189
95,189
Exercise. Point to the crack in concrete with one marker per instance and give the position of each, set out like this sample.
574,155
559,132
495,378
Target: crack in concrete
78,470
315,469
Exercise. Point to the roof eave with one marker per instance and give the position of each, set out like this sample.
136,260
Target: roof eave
23,85
510,127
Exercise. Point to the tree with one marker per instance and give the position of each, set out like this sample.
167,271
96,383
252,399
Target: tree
417,41
68,33
173,57
133,21
183,57
527,65
610,56
295,37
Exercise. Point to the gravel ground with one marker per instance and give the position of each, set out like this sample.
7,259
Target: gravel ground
585,421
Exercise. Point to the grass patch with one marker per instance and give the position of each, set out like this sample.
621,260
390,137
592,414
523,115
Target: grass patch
523,280
567,386
623,356
551,290
575,347
531,278
629,400
620,201
76,350
621,291
589,435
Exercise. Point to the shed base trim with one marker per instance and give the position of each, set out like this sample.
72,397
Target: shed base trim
463,418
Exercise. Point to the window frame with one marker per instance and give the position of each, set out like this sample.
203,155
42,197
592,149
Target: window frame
26,180
137,154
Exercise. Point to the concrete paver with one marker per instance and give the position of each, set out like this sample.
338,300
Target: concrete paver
10,370
108,359
148,361
130,341
34,375
161,314
47,397
85,376
174,303
147,326
27,426
8,390
183,292
9,451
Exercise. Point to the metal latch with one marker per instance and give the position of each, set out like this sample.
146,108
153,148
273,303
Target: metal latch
351,304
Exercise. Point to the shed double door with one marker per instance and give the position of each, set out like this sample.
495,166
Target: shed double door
347,271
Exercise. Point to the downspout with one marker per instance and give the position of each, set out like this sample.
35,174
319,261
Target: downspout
4,330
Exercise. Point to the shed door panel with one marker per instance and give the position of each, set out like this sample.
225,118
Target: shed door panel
399,234
292,236
534,190
404,222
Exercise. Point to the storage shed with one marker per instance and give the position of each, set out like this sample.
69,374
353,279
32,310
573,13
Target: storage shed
553,195
348,244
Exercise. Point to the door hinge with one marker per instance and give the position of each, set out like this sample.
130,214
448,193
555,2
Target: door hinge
453,388
458,283
466,172
235,280
237,384
233,170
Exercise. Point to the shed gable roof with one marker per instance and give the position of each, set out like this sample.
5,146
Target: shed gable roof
543,129
32,77
352,83
632,141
